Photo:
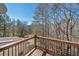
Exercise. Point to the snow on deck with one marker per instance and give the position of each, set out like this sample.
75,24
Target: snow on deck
5,40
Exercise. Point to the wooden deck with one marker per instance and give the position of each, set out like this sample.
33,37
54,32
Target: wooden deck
40,46
37,52
48,54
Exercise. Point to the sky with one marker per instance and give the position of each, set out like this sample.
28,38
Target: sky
22,11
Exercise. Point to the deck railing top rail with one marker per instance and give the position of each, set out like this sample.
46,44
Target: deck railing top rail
37,38
58,40
14,43
40,37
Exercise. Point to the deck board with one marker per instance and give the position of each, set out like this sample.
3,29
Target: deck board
48,54
37,52
30,52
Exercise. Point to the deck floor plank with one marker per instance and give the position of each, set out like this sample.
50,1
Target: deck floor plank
48,54
37,52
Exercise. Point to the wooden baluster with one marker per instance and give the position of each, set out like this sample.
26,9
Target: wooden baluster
73,50
61,48
57,50
64,48
26,47
8,51
18,49
52,44
15,51
78,50
38,43
47,44
23,49
3,52
63,45
42,44
35,45
70,49
12,51
53,48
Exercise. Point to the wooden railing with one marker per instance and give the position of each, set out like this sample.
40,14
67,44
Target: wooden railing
18,48
58,47
49,45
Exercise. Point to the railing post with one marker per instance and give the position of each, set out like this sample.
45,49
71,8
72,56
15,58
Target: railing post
77,50
35,39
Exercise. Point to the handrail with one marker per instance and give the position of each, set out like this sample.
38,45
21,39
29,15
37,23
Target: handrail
58,40
21,44
14,43
58,47
54,43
